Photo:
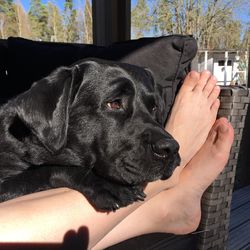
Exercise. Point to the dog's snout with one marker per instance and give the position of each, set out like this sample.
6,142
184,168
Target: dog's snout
165,147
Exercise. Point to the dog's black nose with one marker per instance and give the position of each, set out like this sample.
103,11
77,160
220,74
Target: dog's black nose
165,147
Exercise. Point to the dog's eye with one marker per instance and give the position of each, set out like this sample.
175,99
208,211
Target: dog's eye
116,104
155,108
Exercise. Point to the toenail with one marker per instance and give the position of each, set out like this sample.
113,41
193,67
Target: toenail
194,74
223,128
214,78
207,72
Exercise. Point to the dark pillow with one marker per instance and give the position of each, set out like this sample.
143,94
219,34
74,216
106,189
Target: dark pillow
169,58
29,61
3,67
3,61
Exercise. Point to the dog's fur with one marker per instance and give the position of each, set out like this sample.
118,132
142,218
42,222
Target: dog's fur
94,127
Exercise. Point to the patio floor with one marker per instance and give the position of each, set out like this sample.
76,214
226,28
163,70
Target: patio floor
239,230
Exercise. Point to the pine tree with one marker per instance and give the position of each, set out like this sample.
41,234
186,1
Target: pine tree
141,19
55,23
38,18
70,22
163,18
8,26
211,22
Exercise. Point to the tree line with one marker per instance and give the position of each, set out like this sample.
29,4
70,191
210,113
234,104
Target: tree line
47,22
212,22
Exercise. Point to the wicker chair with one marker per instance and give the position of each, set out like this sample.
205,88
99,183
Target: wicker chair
216,200
212,233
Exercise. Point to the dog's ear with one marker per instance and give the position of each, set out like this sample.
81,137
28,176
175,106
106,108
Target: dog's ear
45,107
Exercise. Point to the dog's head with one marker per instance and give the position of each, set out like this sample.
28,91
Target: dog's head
107,114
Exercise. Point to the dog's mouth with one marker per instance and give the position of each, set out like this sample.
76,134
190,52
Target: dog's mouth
159,156
166,158
137,167
173,163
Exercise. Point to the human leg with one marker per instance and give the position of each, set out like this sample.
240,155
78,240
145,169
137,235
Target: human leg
48,216
69,210
177,210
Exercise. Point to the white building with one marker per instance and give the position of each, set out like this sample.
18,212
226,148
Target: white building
230,67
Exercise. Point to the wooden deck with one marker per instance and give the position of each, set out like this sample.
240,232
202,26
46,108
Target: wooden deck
239,231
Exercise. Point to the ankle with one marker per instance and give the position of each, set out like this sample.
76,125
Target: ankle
183,216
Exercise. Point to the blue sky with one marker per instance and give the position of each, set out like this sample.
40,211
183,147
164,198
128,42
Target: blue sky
243,14
25,3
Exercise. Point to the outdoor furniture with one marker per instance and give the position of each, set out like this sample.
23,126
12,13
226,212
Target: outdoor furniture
216,201
212,233
213,229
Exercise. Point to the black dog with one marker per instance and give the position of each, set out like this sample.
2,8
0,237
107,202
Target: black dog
94,127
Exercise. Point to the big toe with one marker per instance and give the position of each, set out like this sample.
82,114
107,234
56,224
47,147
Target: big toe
190,81
225,135
208,163
203,81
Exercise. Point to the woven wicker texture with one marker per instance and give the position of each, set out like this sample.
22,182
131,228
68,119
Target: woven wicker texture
216,200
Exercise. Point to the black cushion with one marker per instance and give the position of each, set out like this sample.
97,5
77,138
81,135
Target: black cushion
29,61
3,60
169,58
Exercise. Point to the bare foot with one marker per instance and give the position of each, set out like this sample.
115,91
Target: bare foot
194,112
196,177
177,210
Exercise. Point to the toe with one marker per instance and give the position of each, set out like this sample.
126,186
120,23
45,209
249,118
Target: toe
214,94
225,135
191,81
214,110
209,86
204,77
220,140
215,107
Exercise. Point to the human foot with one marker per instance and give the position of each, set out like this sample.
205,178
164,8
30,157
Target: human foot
194,112
178,208
195,178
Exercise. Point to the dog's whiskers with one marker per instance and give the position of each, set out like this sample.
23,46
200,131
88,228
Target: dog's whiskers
130,168
117,153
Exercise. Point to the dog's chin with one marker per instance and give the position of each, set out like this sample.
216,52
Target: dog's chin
126,178
171,166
